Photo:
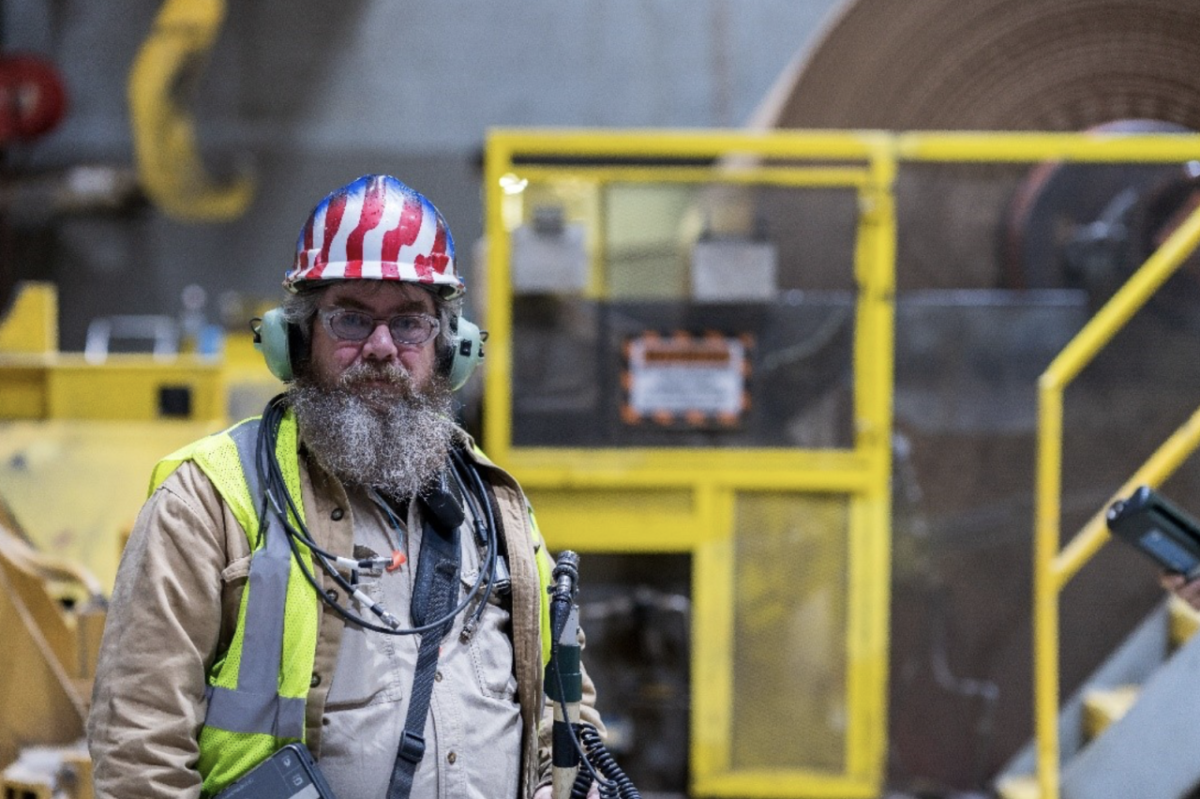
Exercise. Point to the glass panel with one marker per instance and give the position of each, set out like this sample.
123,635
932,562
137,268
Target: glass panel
789,677
682,315
646,240
573,373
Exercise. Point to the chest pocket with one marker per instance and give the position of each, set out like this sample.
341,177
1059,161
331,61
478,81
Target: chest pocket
491,648
370,666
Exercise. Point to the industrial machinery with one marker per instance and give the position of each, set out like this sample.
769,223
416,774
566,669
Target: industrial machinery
78,437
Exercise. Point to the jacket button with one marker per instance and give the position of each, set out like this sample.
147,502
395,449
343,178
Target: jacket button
332,595
438,676
315,681
337,514
451,757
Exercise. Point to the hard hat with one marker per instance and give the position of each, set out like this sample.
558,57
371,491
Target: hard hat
376,228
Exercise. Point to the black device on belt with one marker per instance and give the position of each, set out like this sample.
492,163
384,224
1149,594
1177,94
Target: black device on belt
290,773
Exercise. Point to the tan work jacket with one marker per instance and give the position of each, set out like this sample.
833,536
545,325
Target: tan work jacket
175,606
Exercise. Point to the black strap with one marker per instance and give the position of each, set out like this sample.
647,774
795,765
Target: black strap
435,593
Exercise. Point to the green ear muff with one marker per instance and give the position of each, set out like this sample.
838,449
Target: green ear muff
468,352
272,342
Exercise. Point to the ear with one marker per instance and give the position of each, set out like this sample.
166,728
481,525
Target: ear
273,340
466,352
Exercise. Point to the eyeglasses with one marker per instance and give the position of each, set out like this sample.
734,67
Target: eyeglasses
407,329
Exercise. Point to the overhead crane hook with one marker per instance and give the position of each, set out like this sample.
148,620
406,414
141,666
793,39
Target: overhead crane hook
161,81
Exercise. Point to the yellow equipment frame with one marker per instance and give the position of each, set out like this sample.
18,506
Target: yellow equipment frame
862,472
556,477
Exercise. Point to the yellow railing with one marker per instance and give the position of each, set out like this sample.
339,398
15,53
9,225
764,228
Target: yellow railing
1054,569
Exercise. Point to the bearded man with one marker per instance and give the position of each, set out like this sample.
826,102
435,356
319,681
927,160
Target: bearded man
348,570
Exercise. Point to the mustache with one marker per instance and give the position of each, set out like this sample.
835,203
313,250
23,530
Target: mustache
390,373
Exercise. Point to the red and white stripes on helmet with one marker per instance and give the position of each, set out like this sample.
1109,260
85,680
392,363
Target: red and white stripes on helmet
376,228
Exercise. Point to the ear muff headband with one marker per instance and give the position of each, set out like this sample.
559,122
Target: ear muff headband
274,341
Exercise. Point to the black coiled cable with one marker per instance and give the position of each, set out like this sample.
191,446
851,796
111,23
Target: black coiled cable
274,486
615,785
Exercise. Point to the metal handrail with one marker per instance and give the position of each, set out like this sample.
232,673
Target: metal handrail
1053,569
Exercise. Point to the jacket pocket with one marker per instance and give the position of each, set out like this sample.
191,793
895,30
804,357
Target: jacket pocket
369,664
490,647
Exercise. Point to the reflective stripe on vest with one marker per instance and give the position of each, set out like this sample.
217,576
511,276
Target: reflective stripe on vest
257,690
255,705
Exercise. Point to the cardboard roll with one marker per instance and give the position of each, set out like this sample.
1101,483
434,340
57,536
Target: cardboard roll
995,65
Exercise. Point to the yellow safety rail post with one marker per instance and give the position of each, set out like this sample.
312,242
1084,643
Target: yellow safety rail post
1052,568
870,543
164,136
686,500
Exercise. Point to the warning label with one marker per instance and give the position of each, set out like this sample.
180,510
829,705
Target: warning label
683,379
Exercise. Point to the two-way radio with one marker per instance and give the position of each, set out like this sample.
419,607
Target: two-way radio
1148,521
290,773
578,754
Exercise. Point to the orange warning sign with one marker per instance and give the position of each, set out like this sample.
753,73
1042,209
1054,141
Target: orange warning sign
686,380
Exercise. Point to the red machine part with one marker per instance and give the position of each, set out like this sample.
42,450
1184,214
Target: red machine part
32,98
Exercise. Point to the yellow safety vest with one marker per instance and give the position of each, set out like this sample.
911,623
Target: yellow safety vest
257,689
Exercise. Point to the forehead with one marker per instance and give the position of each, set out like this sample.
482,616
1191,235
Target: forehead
379,295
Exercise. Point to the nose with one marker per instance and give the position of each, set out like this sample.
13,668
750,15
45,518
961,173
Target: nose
379,345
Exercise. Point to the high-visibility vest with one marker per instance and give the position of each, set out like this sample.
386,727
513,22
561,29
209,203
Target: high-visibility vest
258,688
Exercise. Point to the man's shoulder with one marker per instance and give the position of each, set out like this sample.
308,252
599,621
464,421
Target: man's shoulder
202,449
185,498
490,470
188,480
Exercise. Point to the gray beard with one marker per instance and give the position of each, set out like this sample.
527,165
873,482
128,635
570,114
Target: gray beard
392,439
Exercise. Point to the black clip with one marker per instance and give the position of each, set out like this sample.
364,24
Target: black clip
412,746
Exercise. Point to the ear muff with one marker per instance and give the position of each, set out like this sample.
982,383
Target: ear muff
273,340
467,352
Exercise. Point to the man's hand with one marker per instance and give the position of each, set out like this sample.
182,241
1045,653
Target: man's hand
1176,583
546,792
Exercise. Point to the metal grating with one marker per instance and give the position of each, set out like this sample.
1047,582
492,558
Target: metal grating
790,617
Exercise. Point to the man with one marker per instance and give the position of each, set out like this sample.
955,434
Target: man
1187,590
237,624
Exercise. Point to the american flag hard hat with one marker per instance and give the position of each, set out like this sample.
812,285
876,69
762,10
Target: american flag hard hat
376,228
